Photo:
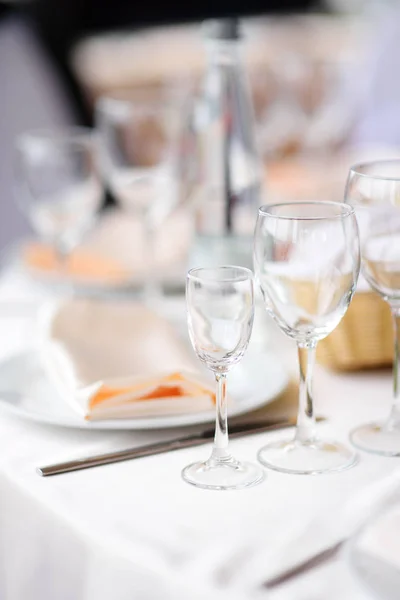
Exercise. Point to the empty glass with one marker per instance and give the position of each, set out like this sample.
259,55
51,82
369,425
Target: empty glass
307,261
57,185
139,146
220,305
374,190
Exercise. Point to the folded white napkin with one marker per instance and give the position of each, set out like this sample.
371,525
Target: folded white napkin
113,360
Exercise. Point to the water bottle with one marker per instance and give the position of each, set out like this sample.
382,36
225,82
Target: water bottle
228,167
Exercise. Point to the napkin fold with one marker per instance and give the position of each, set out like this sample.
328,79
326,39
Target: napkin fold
112,360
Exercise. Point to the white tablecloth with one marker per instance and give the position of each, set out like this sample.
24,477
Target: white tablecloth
135,530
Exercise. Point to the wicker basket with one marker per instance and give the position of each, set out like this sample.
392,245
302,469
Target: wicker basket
364,337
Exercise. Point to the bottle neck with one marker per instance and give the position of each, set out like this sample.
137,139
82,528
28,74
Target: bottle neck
223,52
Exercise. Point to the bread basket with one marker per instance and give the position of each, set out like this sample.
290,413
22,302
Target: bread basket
364,337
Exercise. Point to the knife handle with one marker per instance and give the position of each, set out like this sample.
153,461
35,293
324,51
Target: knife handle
119,456
152,449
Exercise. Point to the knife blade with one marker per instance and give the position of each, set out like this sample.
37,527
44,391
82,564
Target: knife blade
306,565
196,439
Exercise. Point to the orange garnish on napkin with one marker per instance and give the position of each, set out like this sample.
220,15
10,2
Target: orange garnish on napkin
81,263
170,386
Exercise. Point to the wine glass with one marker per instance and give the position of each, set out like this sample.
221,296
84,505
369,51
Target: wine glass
374,191
139,137
220,305
57,185
307,261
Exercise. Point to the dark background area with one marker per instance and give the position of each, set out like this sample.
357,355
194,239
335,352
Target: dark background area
60,23
72,16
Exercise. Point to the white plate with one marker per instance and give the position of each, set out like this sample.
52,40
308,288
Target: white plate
26,392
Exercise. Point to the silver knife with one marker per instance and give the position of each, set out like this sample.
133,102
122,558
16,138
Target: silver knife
303,567
196,439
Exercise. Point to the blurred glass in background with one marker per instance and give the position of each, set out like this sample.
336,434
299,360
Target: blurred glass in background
57,186
321,83
312,82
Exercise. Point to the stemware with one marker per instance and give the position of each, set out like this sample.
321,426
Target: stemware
307,261
57,185
139,137
220,305
374,190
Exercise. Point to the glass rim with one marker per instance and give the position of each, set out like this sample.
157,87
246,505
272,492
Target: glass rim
356,169
347,210
59,135
247,274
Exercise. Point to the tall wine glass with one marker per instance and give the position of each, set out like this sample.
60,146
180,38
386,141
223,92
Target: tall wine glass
307,261
57,185
139,138
374,190
220,305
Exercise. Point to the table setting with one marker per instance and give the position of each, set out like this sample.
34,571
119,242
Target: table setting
70,328
178,426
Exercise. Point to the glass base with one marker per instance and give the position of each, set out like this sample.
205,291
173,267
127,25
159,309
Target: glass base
311,458
228,474
377,438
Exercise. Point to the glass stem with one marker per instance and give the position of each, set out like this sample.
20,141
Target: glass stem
63,257
305,431
151,286
394,419
220,448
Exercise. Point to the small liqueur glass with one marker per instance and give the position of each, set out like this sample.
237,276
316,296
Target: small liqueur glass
220,306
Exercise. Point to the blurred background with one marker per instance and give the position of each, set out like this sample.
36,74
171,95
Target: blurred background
320,77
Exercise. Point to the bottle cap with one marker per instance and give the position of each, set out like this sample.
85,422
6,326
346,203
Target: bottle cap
223,29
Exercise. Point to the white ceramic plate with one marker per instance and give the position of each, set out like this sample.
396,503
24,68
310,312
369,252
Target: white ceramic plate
26,392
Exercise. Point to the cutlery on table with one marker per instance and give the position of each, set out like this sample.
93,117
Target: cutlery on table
303,567
196,439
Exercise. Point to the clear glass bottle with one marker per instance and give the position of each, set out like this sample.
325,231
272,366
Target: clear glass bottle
228,168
